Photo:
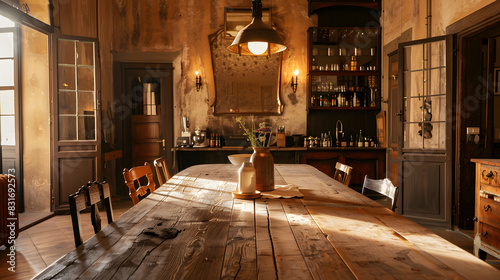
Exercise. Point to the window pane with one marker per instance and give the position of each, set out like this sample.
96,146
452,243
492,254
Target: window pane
434,136
6,102
5,22
67,103
437,52
86,103
6,72
8,130
66,52
6,45
412,137
85,53
85,78
436,106
437,81
67,128
413,57
67,77
86,128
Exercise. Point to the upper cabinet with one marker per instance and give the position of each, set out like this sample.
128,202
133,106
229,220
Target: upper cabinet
344,68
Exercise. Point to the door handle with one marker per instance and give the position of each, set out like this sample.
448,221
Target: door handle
400,115
162,141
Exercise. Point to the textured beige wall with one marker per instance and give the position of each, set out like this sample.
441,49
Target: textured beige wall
184,26
35,123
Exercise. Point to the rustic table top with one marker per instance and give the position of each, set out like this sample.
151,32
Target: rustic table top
331,233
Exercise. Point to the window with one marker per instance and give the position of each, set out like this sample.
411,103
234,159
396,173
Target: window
7,84
76,90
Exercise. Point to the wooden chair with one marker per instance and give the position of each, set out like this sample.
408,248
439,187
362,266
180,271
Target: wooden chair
342,173
162,172
382,186
87,197
133,176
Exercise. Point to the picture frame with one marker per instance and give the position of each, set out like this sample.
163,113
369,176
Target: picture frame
380,120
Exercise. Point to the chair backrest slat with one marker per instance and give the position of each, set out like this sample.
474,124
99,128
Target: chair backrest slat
133,175
382,186
342,173
89,196
162,172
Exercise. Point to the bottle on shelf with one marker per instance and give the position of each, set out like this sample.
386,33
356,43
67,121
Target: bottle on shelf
360,139
314,100
354,63
355,101
343,142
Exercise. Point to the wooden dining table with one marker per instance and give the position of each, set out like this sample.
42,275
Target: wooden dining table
192,228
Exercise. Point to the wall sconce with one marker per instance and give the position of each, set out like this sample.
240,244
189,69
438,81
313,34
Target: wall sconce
295,80
198,81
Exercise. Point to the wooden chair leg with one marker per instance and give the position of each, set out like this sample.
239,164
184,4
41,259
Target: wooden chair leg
96,218
77,230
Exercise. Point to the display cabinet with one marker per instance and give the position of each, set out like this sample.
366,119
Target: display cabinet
344,68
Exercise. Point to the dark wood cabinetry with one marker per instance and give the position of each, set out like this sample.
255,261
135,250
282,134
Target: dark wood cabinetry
365,161
344,68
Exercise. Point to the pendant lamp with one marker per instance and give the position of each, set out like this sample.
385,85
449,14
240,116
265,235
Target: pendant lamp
257,38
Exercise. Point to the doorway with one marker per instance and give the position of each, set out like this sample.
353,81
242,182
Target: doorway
478,118
147,122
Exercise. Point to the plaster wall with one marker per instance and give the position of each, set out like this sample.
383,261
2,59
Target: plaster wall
182,28
36,123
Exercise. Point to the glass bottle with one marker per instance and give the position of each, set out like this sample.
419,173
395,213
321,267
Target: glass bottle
360,139
314,100
354,63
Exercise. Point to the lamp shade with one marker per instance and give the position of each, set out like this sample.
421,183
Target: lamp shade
257,31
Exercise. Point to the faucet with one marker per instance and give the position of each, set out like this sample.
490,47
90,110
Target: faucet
337,131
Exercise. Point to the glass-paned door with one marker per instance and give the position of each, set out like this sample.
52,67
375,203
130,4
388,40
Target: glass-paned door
78,120
424,100
425,94
76,90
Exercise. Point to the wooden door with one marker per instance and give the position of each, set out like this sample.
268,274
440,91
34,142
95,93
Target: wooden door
425,166
394,121
148,88
77,149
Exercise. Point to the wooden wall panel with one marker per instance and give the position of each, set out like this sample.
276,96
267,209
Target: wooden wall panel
78,18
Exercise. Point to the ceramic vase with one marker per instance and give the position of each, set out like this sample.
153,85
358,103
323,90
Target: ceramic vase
263,163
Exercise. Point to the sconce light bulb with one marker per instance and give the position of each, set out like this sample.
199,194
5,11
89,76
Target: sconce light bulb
257,48
296,72
197,73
